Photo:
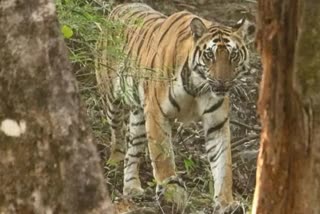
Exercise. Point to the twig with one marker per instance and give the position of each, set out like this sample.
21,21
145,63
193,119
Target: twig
235,122
160,207
189,197
251,1
244,140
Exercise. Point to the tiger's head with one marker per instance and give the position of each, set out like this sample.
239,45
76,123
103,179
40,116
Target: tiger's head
219,56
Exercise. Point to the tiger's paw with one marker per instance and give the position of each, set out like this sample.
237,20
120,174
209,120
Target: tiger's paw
133,191
232,207
173,191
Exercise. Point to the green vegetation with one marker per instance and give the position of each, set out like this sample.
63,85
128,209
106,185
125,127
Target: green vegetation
81,24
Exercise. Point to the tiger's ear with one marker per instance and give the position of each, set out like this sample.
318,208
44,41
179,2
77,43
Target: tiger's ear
245,29
197,28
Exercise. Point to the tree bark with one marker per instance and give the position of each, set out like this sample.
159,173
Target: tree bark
289,160
48,162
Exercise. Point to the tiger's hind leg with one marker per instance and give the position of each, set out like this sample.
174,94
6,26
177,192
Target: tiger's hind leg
137,144
115,117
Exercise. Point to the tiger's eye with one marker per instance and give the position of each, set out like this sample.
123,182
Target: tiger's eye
208,55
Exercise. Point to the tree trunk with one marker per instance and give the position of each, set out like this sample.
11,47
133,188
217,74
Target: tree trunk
48,162
288,175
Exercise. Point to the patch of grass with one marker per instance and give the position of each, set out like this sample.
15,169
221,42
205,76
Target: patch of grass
81,24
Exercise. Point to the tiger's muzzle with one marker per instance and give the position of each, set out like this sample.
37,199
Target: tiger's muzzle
221,71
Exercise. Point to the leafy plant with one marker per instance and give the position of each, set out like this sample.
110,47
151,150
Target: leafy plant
81,23
189,165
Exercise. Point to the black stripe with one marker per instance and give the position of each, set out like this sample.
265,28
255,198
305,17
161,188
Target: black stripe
200,54
143,35
244,53
112,111
110,97
176,28
217,127
114,126
153,19
137,111
139,143
213,107
184,36
173,101
185,30
130,179
194,54
142,16
200,72
215,34
139,136
115,11
115,121
140,123
138,155
213,30
131,163
185,75
149,40
153,60
124,10
135,35
216,156
112,100
117,102
134,13
142,29
156,97
212,147
127,34
155,27
134,41
173,22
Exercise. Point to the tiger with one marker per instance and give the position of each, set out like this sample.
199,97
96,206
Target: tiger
178,67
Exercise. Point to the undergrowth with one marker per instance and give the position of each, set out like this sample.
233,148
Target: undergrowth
81,24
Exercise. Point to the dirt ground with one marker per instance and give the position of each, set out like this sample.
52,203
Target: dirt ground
191,160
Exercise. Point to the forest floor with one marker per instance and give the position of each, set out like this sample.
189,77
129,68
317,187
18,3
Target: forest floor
190,155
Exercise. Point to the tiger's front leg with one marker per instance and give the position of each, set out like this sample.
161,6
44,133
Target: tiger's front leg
215,119
162,155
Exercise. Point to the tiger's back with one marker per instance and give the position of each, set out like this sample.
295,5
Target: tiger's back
153,40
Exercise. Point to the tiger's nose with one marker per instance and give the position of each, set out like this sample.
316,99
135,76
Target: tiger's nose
223,86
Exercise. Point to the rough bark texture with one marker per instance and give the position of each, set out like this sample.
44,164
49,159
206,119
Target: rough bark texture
289,161
48,162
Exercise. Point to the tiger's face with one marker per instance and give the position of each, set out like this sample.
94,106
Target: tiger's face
218,58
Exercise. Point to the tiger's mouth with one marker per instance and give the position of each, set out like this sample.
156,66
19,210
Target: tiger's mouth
219,87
